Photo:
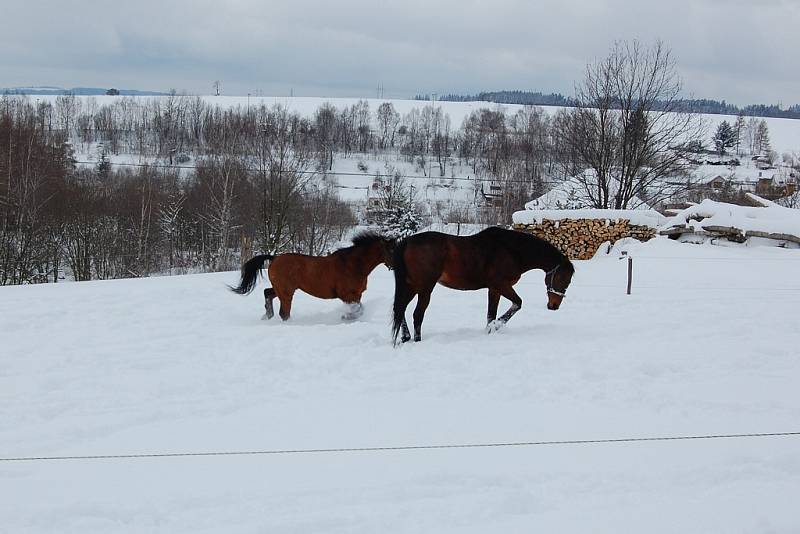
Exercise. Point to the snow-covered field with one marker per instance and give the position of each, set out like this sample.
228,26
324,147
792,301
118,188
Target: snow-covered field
707,343
784,134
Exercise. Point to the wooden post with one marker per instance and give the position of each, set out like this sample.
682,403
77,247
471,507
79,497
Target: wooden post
630,273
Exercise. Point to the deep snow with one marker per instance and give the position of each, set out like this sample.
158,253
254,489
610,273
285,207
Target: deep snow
707,343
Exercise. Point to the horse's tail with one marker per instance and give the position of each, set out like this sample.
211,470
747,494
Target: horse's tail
401,289
250,272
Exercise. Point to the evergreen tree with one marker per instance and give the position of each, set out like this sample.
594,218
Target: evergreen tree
400,222
724,137
398,217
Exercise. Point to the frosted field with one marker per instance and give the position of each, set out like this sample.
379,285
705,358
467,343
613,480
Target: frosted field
708,343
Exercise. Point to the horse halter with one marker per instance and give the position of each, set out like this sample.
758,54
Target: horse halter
550,289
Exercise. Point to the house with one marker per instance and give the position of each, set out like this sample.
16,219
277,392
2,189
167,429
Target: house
492,195
772,185
717,183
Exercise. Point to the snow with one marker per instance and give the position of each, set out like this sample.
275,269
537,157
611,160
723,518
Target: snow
784,134
568,200
705,344
649,218
572,194
747,173
772,218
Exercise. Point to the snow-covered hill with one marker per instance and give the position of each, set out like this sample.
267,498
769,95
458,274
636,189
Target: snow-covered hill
707,343
784,134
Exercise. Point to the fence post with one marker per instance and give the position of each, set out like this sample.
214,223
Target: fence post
630,273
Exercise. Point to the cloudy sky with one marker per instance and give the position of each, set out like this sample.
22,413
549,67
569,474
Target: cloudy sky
741,51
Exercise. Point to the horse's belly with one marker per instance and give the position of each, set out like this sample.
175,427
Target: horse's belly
321,292
458,282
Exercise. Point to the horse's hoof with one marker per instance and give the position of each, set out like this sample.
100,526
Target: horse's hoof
354,311
494,326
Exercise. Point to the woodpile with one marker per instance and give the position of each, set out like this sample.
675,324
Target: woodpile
579,239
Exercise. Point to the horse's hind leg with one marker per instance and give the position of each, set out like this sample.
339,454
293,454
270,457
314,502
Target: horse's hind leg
405,334
269,294
423,299
401,303
285,297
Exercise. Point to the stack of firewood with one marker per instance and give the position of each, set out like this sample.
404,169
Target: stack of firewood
580,238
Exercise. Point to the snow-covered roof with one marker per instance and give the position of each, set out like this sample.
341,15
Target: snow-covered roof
710,215
571,194
568,200
705,174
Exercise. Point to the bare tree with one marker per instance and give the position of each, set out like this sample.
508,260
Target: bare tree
284,165
325,132
630,126
321,220
388,120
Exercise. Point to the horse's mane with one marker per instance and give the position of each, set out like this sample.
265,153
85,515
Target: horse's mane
364,238
563,260
541,244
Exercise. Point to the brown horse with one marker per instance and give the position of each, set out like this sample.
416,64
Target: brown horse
340,275
494,258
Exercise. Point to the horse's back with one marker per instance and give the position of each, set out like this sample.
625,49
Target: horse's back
311,274
432,257
462,262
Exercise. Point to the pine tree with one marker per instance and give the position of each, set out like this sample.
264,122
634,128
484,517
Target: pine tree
399,217
724,137
400,222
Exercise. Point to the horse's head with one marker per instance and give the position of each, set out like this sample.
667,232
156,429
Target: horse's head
557,281
375,247
388,246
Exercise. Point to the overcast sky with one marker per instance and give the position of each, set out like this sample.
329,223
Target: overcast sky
740,51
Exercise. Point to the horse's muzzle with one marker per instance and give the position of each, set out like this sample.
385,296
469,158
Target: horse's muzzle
554,301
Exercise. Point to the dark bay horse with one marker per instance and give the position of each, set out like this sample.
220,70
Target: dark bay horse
340,275
494,258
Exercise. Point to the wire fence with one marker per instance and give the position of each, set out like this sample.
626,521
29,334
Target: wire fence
338,173
398,448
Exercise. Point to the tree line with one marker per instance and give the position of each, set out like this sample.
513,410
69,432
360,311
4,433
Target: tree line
696,105
212,178
213,181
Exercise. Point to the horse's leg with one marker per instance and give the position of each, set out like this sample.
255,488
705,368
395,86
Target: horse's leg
269,294
423,299
285,296
401,302
516,303
405,334
354,310
491,314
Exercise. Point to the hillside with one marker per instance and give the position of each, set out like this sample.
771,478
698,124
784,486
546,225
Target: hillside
706,344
